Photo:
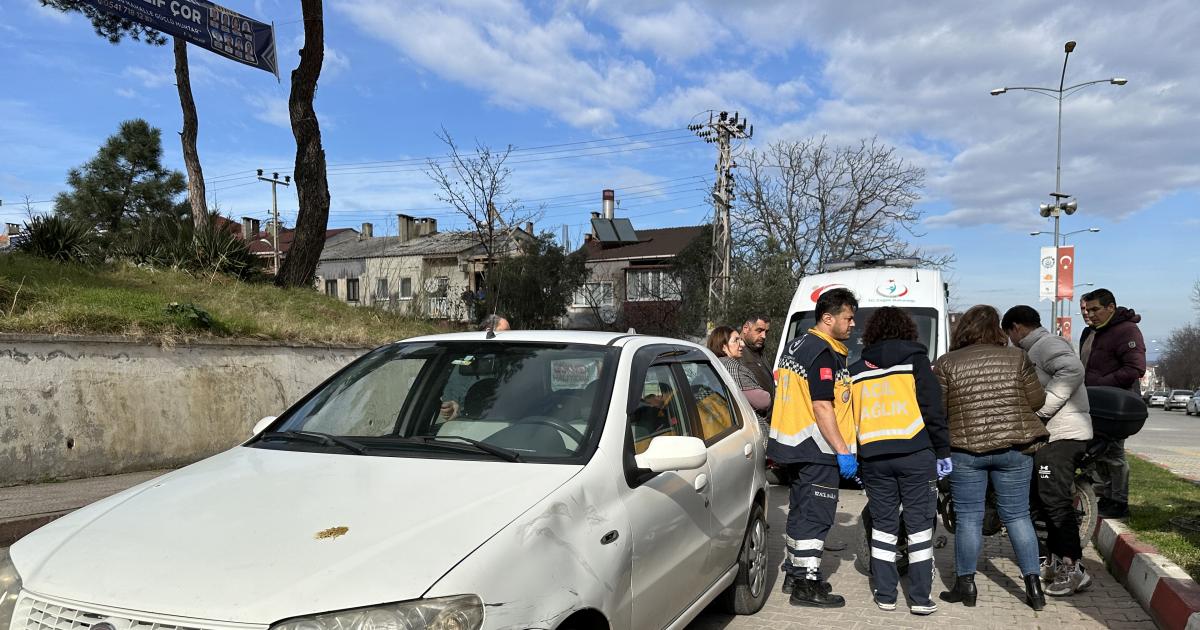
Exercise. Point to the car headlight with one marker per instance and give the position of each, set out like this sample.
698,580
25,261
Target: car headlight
10,588
459,612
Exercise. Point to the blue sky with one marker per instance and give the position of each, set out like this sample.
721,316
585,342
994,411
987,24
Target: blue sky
549,73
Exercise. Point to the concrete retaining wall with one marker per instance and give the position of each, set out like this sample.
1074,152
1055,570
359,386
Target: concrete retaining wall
87,406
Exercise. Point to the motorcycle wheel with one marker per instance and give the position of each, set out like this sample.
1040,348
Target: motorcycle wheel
1083,497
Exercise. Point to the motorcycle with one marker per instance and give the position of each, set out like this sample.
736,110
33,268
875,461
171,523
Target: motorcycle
1116,414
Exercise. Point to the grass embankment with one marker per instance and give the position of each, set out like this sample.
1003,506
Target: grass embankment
42,296
1158,497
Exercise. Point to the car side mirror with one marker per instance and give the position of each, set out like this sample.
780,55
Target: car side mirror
262,425
673,452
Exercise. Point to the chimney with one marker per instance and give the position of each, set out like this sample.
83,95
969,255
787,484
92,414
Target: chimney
13,228
368,231
529,227
609,201
249,228
430,225
406,227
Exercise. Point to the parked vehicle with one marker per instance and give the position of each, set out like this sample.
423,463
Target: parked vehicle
876,283
1193,404
1157,399
1177,399
567,480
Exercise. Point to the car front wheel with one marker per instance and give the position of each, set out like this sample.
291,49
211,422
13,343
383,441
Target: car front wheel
748,593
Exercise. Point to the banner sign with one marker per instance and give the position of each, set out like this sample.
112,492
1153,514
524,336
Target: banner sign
1046,271
1064,327
207,25
1066,272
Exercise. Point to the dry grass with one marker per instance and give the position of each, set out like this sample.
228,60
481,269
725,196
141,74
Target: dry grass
41,296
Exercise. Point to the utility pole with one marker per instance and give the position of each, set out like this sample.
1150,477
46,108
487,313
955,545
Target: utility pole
722,130
275,181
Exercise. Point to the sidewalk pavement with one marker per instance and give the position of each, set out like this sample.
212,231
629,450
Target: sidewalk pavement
26,508
1001,591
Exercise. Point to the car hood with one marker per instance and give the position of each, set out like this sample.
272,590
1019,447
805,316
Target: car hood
255,535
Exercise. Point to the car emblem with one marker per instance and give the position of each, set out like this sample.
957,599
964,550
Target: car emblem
103,625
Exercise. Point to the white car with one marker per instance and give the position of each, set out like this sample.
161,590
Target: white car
563,480
1157,399
1193,404
1177,399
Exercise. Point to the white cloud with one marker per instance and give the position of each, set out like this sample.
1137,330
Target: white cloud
738,90
150,79
126,93
497,46
676,35
50,13
272,110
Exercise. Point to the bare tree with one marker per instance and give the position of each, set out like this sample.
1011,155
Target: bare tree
312,182
820,203
477,186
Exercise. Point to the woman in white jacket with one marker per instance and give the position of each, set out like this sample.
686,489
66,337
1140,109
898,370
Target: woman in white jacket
1069,421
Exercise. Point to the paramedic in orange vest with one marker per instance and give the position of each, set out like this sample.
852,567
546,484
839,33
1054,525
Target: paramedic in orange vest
812,433
904,448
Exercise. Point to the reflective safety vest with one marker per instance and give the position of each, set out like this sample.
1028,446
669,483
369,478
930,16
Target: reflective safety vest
885,403
794,433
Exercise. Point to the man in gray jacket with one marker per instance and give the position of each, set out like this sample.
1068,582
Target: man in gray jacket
1069,421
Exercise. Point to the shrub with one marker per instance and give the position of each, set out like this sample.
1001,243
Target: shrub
59,239
172,244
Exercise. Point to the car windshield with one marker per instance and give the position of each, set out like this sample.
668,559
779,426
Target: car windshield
925,318
470,400
1181,392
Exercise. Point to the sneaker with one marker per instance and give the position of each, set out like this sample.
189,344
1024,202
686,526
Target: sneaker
884,605
1070,578
922,609
1049,568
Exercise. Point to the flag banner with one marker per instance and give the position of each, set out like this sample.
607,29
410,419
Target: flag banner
1046,269
204,24
1064,327
1066,272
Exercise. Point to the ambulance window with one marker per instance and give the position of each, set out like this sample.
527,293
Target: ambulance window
925,318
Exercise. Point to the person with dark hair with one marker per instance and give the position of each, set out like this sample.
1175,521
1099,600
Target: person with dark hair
1068,419
754,332
727,344
991,393
812,433
1114,354
904,446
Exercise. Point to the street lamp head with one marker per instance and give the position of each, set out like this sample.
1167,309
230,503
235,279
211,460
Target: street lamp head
999,91
1069,47
1093,229
1036,233
1118,80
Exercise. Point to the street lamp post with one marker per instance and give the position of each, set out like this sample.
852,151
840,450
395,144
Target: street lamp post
1059,206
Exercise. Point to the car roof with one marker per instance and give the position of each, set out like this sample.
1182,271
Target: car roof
590,337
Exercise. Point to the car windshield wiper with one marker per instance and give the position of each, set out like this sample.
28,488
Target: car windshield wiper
491,449
316,437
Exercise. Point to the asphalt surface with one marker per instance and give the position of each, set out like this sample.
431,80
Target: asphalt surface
1171,439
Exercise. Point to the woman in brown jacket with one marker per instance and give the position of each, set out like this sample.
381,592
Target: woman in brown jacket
991,392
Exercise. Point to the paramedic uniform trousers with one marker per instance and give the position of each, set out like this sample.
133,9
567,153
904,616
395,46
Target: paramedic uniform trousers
909,480
812,506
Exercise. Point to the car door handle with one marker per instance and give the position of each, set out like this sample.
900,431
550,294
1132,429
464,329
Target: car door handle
701,482
749,451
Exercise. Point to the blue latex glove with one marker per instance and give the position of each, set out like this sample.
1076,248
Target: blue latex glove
944,467
847,465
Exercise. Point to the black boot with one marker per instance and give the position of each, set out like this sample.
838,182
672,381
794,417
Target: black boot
789,582
1033,592
964,591
811,593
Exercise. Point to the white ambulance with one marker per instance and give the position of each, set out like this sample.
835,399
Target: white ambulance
876,283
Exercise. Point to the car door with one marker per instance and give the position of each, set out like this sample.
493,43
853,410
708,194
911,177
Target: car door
731,460
669,512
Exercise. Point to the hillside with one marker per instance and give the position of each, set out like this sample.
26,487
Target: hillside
41,296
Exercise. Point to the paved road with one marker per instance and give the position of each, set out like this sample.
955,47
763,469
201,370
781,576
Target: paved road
1001,605
1170,438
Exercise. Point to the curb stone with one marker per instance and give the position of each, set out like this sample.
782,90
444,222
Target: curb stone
1161,587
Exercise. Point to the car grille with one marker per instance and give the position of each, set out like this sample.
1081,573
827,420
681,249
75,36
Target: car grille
34,613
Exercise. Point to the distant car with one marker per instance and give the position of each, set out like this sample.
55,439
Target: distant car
566,480
1177,399
1193,404
1157,399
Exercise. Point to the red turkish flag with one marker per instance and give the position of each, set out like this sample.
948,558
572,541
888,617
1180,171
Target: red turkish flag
1064,327
1066,272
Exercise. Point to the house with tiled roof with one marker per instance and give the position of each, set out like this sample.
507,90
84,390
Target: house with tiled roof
261,242
633,282
420,271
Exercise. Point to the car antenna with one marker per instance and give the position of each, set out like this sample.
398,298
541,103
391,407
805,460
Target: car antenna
491,334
